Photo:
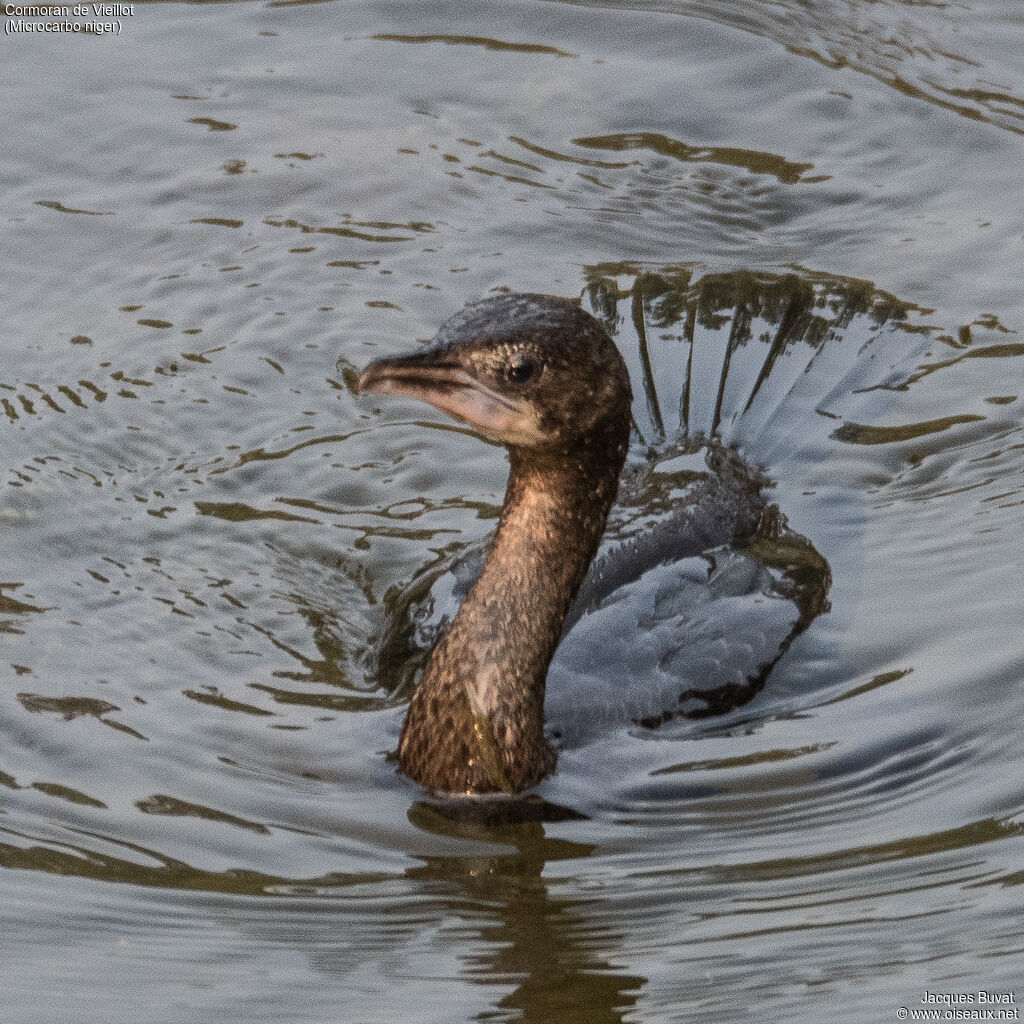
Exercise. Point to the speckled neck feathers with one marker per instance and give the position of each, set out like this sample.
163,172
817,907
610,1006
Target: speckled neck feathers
543,378
476,722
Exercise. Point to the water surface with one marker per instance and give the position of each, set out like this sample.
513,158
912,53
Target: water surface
802,224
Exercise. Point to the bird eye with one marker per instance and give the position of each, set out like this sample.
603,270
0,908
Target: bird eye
521,369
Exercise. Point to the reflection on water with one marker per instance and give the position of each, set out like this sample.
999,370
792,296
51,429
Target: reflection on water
800,222
564,964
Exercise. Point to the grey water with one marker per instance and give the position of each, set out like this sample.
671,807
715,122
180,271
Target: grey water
803,224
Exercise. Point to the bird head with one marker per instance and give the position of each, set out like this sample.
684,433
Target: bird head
528,371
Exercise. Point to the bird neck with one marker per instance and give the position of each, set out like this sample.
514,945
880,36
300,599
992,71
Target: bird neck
476,722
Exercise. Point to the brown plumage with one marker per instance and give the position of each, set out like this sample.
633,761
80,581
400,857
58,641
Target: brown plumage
542,377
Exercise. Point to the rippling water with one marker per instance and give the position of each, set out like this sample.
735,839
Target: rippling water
802,224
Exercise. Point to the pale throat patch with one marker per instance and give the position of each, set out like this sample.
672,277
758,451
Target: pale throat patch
482,692
482,689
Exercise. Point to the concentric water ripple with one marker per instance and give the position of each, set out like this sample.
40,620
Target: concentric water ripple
801,224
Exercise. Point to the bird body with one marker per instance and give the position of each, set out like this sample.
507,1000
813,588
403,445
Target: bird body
544,378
